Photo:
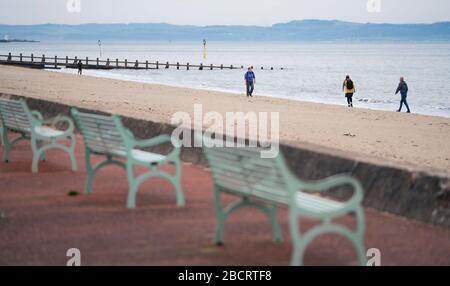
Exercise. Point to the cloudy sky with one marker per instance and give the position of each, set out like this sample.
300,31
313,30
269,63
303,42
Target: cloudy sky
229,12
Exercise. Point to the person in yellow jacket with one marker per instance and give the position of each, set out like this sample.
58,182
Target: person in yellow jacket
349,89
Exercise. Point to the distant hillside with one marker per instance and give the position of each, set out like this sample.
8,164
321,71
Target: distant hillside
306,30
17,41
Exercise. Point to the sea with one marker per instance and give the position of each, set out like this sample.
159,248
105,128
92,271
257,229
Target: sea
311,72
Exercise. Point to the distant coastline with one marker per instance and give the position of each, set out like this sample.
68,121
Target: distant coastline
18,41
298,31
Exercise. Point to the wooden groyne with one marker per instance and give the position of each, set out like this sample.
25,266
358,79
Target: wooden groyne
44,62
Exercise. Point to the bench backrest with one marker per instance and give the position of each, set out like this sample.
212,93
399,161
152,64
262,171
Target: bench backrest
100,133
242,170
14,115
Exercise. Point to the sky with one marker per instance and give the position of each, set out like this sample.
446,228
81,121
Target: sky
221,12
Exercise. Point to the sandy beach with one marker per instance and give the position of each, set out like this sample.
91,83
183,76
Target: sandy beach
408,140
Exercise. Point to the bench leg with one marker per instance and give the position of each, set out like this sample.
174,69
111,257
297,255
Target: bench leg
92,171
89,171
177,184
34,165
39,145
298,249
6,151
38,153
71,153
132,188
359,243
135,182
222,216
301,242
277,236
89,181
131,200
6,146
39,150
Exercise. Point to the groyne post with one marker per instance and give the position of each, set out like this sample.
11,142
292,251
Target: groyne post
20,57
56,62
32,58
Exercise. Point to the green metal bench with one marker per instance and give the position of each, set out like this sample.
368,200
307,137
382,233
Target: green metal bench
16,117
106,136
265,184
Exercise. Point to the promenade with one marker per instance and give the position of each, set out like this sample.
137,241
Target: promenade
39,221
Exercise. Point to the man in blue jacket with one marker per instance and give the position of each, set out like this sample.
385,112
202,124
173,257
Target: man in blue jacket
250,81
403,89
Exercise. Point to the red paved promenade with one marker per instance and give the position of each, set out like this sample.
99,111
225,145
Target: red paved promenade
39,222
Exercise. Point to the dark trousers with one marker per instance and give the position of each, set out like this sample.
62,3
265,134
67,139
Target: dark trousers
250,87
403,100
349,97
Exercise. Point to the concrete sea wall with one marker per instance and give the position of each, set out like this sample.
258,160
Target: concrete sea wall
411,194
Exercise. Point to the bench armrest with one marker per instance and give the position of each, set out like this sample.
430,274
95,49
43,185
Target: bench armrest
159,140
336,181
153,141
60,119
37,115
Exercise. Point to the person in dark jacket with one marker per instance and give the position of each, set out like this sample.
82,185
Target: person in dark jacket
250,80
403,89
80,67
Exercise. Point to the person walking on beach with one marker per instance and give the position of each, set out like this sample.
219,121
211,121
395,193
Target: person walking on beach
349,89
250,81
80,67
403,89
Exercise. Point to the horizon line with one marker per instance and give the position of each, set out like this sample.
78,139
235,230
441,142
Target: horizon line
229,25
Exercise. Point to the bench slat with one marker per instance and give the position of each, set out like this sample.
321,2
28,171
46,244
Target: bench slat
100,134
243,171
96,124
13,115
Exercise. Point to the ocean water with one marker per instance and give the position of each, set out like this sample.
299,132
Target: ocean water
311,71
